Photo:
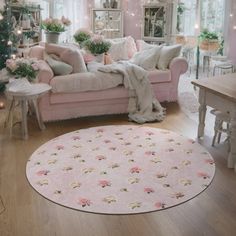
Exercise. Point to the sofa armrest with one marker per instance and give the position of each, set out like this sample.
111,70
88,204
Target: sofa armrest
45,72
178,65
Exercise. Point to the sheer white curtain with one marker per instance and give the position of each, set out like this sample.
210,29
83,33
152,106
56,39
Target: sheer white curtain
76,11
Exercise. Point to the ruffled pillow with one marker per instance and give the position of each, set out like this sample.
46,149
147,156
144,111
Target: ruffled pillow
118,51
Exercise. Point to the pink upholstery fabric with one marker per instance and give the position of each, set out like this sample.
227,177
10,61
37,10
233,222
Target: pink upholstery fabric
159,76
37,52
45,72
54,49
75,59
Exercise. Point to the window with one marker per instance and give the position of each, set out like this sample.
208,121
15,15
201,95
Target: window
211,15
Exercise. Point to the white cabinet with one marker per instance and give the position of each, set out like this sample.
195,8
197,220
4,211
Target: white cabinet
157,22
107,22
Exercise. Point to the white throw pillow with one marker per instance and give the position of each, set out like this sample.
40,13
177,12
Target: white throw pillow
147,59
118,50
142,45
167,54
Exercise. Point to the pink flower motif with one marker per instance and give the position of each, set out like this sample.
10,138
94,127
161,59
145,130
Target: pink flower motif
76,138
135,169
35,66
60,147
101,157
104,183
150,153
42,172
84,202
160,205
203,175
210,161
107,141
149,190
149,133
100,130
191,141
170,150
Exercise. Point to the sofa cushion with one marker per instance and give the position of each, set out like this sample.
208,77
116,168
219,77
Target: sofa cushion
89,81
130,45
37,52
167,54
58,67
147,59
75,59
118,50
142,45
54,49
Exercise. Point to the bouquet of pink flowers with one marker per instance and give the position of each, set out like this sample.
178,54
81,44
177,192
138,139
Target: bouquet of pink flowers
97,45
55,25
22,67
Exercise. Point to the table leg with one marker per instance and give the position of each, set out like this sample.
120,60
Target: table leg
202,113
9,113
24,127
38,115
232,154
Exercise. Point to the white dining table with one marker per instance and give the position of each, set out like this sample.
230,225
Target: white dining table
219,93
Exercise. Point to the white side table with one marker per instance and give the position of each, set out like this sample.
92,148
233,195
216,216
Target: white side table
24,99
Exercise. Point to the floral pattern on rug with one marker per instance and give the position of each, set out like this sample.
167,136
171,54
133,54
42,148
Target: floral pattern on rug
120,169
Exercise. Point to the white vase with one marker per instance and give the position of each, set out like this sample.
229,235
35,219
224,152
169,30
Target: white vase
99,58
52,37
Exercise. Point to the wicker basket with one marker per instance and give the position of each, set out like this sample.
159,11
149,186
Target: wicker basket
209,45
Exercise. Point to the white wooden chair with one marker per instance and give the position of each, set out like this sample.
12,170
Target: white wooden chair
219,126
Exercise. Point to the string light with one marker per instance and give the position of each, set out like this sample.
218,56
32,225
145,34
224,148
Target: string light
9,42
1,16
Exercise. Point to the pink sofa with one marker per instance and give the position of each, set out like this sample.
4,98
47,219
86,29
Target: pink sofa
64,105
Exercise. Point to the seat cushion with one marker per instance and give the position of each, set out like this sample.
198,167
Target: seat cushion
81,82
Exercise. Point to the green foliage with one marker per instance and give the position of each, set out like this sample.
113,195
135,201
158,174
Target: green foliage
58,28
97,48
2,87
207,35
81,37
221,48
6,34
24,70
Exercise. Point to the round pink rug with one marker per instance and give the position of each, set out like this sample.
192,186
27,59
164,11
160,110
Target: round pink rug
120,169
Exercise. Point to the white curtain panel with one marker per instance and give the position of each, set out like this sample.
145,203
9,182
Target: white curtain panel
76,11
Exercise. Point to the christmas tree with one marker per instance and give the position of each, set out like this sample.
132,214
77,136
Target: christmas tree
7,36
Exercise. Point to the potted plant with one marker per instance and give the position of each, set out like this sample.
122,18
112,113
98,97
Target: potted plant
82,35
54,27
97,46
209,41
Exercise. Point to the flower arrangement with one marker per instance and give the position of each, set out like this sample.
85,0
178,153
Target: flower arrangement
55,25
81,35
97,45
21,67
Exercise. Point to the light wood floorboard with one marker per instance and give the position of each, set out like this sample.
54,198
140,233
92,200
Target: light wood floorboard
212,213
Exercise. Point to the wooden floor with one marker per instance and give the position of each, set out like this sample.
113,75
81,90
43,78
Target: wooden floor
28,214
